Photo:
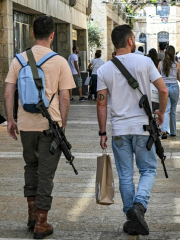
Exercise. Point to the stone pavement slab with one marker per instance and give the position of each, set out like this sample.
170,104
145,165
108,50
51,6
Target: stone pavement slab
75,214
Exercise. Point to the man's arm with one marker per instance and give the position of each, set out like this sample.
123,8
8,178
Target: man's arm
77,67
102,115
163,98
178,68
9,104
64,103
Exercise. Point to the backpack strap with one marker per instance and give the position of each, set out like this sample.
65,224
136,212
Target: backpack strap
131,80
46,58
37,79
21,60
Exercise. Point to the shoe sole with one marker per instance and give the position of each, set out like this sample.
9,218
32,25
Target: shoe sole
139,222
130,230
42,235
31,224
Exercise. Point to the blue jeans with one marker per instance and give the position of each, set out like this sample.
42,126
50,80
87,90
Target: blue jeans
94,84
169,124
146,161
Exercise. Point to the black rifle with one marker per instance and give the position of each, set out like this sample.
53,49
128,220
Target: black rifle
153,127
154,131
58,136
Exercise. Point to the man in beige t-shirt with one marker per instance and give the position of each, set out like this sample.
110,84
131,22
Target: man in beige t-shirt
40,164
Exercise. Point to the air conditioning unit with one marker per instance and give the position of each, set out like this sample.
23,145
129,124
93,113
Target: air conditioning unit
72,3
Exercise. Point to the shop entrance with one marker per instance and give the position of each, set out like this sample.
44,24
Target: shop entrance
143,39
163,37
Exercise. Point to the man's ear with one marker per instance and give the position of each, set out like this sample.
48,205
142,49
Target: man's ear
129,41
33,34
52,36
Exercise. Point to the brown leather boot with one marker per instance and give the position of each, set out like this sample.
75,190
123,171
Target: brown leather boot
31,212
42,228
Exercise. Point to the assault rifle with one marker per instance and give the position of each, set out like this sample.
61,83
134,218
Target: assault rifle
154,131
58,136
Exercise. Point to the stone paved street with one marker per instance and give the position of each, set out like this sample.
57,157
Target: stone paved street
75,214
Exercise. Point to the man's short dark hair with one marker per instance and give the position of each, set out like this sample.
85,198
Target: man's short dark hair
43,27
162,46
141,49
120,34
74,48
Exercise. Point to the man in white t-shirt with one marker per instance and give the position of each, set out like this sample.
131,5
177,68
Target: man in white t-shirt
73,64
127,119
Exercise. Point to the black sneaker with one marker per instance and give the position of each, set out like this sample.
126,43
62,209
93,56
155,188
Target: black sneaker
83,99
136,216
164,136
129,228
71,99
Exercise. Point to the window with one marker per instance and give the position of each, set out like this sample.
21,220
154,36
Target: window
21,32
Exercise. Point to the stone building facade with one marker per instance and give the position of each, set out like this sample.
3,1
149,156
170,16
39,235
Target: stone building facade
16,21
151,28
107,17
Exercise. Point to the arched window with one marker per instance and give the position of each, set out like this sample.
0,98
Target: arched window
163,37
142,38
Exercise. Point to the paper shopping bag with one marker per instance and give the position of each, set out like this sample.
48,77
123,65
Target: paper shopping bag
104,181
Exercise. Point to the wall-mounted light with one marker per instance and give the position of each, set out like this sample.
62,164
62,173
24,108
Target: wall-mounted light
72,3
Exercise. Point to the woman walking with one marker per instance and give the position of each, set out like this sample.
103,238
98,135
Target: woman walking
154,56
170,71
95,64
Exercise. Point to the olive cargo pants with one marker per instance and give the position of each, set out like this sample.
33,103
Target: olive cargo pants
40,167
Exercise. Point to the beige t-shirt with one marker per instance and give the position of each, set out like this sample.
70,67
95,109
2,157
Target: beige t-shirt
58,76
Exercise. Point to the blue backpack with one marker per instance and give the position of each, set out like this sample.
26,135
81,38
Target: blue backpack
31,82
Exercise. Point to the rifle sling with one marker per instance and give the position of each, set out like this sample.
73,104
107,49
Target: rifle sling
131,80
32,63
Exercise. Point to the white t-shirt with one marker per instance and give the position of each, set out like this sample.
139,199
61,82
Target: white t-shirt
97,63
139,52
73,57
126,115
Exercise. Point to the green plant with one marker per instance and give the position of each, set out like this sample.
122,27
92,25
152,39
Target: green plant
94,36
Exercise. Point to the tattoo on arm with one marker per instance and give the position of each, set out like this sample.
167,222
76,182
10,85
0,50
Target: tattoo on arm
101,97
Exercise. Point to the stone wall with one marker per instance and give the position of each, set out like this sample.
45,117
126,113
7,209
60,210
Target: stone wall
152,25
64,36
110,46
6,45
107,19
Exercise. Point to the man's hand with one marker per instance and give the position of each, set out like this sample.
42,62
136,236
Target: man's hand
103,142
79,74
160,118
12,129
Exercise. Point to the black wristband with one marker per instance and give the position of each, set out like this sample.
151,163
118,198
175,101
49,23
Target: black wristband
102,134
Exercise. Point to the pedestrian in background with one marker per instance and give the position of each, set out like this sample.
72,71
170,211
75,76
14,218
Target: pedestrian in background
161,53
140,51
40,164
74,66
127,118
95,64
170,71
154,56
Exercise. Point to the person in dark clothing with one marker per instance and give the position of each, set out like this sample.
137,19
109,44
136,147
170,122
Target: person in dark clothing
154,56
